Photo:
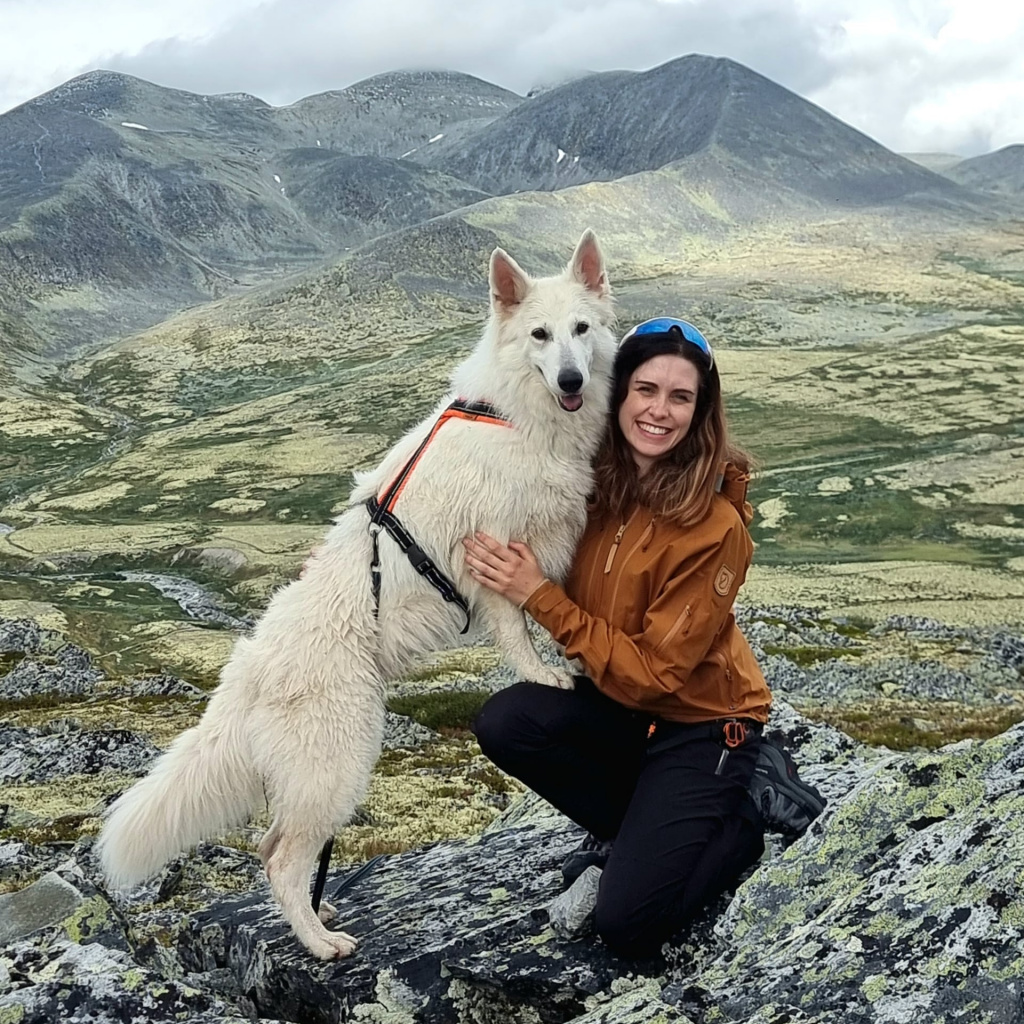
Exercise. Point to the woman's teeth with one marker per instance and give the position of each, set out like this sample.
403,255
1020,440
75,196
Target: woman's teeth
648,428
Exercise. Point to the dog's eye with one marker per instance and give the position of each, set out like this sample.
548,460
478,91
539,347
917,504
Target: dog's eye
539,333
582,327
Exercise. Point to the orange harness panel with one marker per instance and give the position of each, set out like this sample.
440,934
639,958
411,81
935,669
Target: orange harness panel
479,412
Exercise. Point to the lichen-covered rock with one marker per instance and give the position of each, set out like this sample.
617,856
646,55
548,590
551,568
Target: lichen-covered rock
473,910
900,903
402,731
989,669
48,663
72,956
28,637
632,1002
92,984
62,748
162,685
46,902
841,682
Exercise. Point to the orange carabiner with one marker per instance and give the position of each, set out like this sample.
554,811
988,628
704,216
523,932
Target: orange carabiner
735,734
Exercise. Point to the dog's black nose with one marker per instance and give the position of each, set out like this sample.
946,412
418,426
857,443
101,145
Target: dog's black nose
570,381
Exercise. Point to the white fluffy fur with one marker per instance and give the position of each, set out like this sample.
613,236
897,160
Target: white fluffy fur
297,719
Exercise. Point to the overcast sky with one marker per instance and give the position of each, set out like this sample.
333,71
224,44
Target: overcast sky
918,75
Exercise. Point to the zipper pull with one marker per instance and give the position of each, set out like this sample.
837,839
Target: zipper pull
614,548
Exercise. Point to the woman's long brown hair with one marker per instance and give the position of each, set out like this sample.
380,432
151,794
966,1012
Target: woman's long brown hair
679,486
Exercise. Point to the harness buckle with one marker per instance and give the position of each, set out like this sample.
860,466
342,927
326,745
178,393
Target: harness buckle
420,560
734,733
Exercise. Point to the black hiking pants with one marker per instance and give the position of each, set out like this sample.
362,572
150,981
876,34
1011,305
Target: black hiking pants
683,825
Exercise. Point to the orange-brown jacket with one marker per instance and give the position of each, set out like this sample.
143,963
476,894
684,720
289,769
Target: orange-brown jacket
648,607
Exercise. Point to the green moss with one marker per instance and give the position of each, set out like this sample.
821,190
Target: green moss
897,727
43,702
855,627
59,810
8,661
782,433
159,717
805,656
65,829
12,1014
444,710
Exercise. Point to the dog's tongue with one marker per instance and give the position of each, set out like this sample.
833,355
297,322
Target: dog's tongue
570,402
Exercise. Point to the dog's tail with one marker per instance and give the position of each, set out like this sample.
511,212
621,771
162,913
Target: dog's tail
203,785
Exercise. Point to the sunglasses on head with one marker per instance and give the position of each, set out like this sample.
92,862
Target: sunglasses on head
667,325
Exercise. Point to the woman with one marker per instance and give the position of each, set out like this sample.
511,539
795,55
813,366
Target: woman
653,751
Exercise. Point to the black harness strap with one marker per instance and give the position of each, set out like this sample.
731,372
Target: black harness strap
321,874
382,516
420,560
346,883
484,409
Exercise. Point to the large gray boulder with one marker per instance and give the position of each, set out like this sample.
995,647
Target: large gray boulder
899,904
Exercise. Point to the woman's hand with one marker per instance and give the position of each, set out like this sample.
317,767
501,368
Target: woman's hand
511,571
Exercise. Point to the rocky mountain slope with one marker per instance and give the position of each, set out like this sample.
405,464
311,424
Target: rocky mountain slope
1001,172
606,126
123,201
901,895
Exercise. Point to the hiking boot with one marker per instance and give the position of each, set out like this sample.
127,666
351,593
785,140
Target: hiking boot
786,803
591,851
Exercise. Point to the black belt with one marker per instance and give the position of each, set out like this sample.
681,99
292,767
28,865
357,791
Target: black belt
730,732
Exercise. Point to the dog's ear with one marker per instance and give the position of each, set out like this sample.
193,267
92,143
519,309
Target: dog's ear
587,265
509,282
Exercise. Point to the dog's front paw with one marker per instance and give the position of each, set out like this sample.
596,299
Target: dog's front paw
332,945
557,677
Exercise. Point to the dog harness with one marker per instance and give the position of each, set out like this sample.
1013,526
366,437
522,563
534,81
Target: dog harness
382,515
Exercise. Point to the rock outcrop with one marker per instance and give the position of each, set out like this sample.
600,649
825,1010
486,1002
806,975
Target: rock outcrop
900,904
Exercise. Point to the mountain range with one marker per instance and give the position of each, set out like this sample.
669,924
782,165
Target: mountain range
123,203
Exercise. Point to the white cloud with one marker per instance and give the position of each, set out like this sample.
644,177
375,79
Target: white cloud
45,42
939,77
915,74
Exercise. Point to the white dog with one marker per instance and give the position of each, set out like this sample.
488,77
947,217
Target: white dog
297,720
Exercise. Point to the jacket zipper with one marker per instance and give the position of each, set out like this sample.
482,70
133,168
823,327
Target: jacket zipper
629,556
677,626
615,547
719,658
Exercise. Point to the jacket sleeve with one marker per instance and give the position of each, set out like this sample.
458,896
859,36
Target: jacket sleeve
679,627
